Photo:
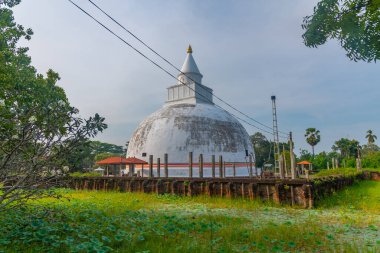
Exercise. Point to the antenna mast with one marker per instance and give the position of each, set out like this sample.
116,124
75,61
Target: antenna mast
275,137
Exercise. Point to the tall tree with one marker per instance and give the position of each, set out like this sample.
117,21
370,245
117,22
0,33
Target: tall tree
347,148
312,137
262,148
38,127
371,137
354,23
85,155
103,147
305,155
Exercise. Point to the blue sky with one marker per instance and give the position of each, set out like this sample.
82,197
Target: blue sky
246,51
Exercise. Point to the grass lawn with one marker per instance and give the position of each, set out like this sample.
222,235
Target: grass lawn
86,221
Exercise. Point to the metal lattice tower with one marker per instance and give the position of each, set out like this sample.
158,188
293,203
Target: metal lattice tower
275,137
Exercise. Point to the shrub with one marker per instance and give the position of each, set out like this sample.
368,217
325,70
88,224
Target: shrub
87,174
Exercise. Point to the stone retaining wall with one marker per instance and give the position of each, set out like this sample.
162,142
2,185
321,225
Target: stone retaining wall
297,192
372,175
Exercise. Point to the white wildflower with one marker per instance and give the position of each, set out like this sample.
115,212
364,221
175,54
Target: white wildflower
32,119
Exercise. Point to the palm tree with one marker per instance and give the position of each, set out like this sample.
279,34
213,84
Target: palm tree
312,137
371,137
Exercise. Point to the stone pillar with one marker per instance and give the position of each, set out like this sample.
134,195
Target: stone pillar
158,167
250,166
220,166
293,171
190,164
200,165
279,193
213,166
281,168
166,165
150,166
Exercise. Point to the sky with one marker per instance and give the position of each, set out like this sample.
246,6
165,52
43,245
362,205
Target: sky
246,50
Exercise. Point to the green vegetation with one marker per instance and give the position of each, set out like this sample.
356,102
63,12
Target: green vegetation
86,174
344,152
87,154
264,150
370,137
363,197
313,137
84,221
340,171
39,129
354,23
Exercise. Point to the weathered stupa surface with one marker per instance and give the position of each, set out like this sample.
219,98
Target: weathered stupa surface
190,122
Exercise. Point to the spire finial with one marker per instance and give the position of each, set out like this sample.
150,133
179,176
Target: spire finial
189,50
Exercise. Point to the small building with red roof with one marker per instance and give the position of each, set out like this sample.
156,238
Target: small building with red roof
115,165
304,165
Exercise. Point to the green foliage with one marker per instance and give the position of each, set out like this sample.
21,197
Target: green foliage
347,148
89,152
320,161
38,127
305,155
354,23
371,137
369,149
81,157
371,160
102,156
340,171
102,147
363,196
135,222
313,137
263,148
86,174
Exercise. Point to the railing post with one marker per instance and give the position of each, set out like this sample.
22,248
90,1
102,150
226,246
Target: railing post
221,166
150,166
166,165
281,168
234,169
200,165
158,167
250,166
213,166
293,166
190,164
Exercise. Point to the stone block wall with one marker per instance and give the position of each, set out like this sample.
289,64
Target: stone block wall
295,192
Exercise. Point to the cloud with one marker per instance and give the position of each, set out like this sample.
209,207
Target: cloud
246,50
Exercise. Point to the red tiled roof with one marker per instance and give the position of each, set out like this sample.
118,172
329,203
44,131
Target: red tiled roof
134,160
113,160
121,160
304,162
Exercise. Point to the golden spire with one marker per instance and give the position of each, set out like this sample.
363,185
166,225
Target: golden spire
189,50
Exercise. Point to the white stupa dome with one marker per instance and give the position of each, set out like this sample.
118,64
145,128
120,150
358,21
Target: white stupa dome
190,122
